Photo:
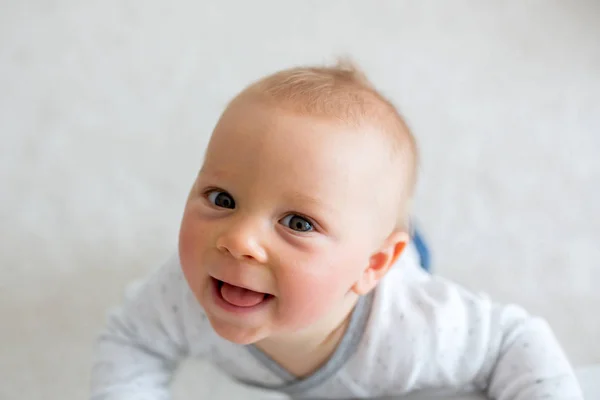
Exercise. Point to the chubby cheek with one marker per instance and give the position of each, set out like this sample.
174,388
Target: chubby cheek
191,240
309,294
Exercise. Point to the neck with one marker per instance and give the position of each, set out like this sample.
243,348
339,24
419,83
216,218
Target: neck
302,352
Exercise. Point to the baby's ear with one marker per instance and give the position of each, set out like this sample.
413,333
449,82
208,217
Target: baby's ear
381,262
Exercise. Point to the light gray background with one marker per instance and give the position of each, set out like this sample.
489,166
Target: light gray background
106,106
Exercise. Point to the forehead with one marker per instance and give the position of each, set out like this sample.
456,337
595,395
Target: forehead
261,143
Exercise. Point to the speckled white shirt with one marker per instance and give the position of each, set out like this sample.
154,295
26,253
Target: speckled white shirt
414,333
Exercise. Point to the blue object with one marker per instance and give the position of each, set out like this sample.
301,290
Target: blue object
422,249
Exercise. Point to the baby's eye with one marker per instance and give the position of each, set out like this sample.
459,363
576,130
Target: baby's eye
221,199
297,223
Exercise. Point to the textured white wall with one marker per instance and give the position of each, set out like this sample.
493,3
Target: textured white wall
106,106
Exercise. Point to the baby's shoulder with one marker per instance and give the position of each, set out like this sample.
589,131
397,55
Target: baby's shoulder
166,293
426,317
420,326
428,307
426,295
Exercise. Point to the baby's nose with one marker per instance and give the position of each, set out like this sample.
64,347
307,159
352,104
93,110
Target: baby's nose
242,241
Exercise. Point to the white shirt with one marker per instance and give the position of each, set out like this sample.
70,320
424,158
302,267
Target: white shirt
414,332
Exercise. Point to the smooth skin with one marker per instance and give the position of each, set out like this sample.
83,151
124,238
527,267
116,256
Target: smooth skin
299,209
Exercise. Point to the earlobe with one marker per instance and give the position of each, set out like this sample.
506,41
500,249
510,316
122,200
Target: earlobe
381,262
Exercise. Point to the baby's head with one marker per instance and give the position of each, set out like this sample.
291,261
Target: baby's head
301,204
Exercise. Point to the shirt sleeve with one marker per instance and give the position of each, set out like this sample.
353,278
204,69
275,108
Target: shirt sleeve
459,340
529,361
143,341
498,349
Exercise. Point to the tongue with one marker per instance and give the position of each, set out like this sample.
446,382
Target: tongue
238,296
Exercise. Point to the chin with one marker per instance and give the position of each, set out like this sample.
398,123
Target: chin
237,334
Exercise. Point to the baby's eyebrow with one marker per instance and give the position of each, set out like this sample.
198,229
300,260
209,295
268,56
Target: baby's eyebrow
304,198
214,173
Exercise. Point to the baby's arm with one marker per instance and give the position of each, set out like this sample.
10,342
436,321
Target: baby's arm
464,341
529,361
143,342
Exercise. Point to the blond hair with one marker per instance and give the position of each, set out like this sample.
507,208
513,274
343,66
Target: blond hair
343,92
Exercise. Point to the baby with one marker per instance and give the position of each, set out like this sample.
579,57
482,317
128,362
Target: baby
296,273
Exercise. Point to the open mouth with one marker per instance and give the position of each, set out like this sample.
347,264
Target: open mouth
238,296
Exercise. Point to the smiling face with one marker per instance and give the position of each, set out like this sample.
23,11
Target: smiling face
283,219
